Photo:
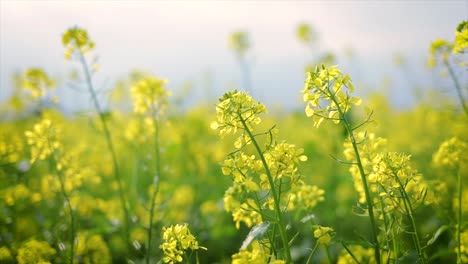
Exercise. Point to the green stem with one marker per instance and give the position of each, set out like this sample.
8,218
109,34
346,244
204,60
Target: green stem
312,253
460,217
369,201
110,145
68,202
457,85
327,249
156,188
409,212
276,198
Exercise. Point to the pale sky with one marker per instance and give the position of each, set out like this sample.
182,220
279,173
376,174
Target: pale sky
183,40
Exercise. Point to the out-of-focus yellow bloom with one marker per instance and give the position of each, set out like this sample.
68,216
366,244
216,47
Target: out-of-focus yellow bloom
11,145
253,254
305,196
180,203
92,249
451,153
327,94
239,42
16,193
362,255
324,234
177,240
139,234
37,82
34,251
43,139
464,246
305,33
461,38
438,47
149,96
5,255
76,40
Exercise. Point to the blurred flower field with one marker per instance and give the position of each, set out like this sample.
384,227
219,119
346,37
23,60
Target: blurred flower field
347,179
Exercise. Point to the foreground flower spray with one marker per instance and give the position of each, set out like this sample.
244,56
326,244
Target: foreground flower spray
266,182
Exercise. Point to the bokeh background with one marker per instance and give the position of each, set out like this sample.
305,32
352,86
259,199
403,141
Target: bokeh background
186,42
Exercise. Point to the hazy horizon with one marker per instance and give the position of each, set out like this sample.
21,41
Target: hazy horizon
187,41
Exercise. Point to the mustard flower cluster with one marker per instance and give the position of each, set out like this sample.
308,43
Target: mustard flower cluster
11,146
393,178
149,96
324,234
76,40
246,197
37,83
451,153
239,41
43,140
305,33
438,47
254,253
327,94
362,255
234,109
92,249
369,145
5,255
388,173
251,192
33,252
464,246
443,48
461,38
177,240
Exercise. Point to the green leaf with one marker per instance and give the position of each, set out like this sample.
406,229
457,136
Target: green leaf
437,234
257,232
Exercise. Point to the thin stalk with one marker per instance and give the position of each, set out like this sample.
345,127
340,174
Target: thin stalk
312,253
276,198
68,202
409,211
327,249
457,86
370,206
395,244
460,216
110,145
156,188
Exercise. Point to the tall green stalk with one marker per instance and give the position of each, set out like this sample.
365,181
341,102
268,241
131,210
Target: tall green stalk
409,211
70,208
369,201
156,188
276,198
460,216
110,145
457,85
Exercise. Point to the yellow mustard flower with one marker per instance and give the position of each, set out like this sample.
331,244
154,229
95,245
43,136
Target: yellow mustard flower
76,40
239,42
177,240
327,94
149,96
324,234
43,140
461,38
37,82
34,251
